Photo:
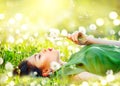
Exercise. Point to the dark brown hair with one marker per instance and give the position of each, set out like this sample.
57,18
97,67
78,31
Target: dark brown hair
25,68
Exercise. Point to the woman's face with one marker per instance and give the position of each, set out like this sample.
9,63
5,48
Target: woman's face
43,59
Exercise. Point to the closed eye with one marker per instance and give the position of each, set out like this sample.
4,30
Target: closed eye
39,56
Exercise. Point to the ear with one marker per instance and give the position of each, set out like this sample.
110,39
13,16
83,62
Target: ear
45,72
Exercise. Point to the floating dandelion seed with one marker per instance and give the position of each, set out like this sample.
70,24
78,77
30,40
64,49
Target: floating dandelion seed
55,65
113,15
1,60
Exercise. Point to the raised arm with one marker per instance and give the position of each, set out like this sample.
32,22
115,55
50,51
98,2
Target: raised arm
80,38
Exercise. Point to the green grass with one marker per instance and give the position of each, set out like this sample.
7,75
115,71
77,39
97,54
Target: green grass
16,52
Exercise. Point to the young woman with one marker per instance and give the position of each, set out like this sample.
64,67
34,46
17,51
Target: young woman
92,61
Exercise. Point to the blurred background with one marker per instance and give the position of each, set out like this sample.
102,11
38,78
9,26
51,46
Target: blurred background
101,18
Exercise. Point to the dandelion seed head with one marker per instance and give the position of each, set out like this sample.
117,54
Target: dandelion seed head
18,16
10,74
112,32
9,66
92,27
113,15
116,22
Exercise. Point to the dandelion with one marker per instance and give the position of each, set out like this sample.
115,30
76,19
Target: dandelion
36,34
82,29
54,32
8,66
113,15
10,74
11,39
116,22
103,82
3,78
100,22
92,27
1,61
84,83
55,65
64,32
12,83
110,78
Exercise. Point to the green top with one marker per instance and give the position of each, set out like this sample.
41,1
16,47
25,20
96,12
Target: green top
95,58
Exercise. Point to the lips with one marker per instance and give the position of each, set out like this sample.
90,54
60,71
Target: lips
50,49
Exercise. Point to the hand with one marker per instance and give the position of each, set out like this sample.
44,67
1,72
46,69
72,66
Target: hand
78,38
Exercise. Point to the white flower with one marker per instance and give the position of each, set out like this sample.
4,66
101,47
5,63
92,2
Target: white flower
55,65
8,66
84,83
54,32
1,60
